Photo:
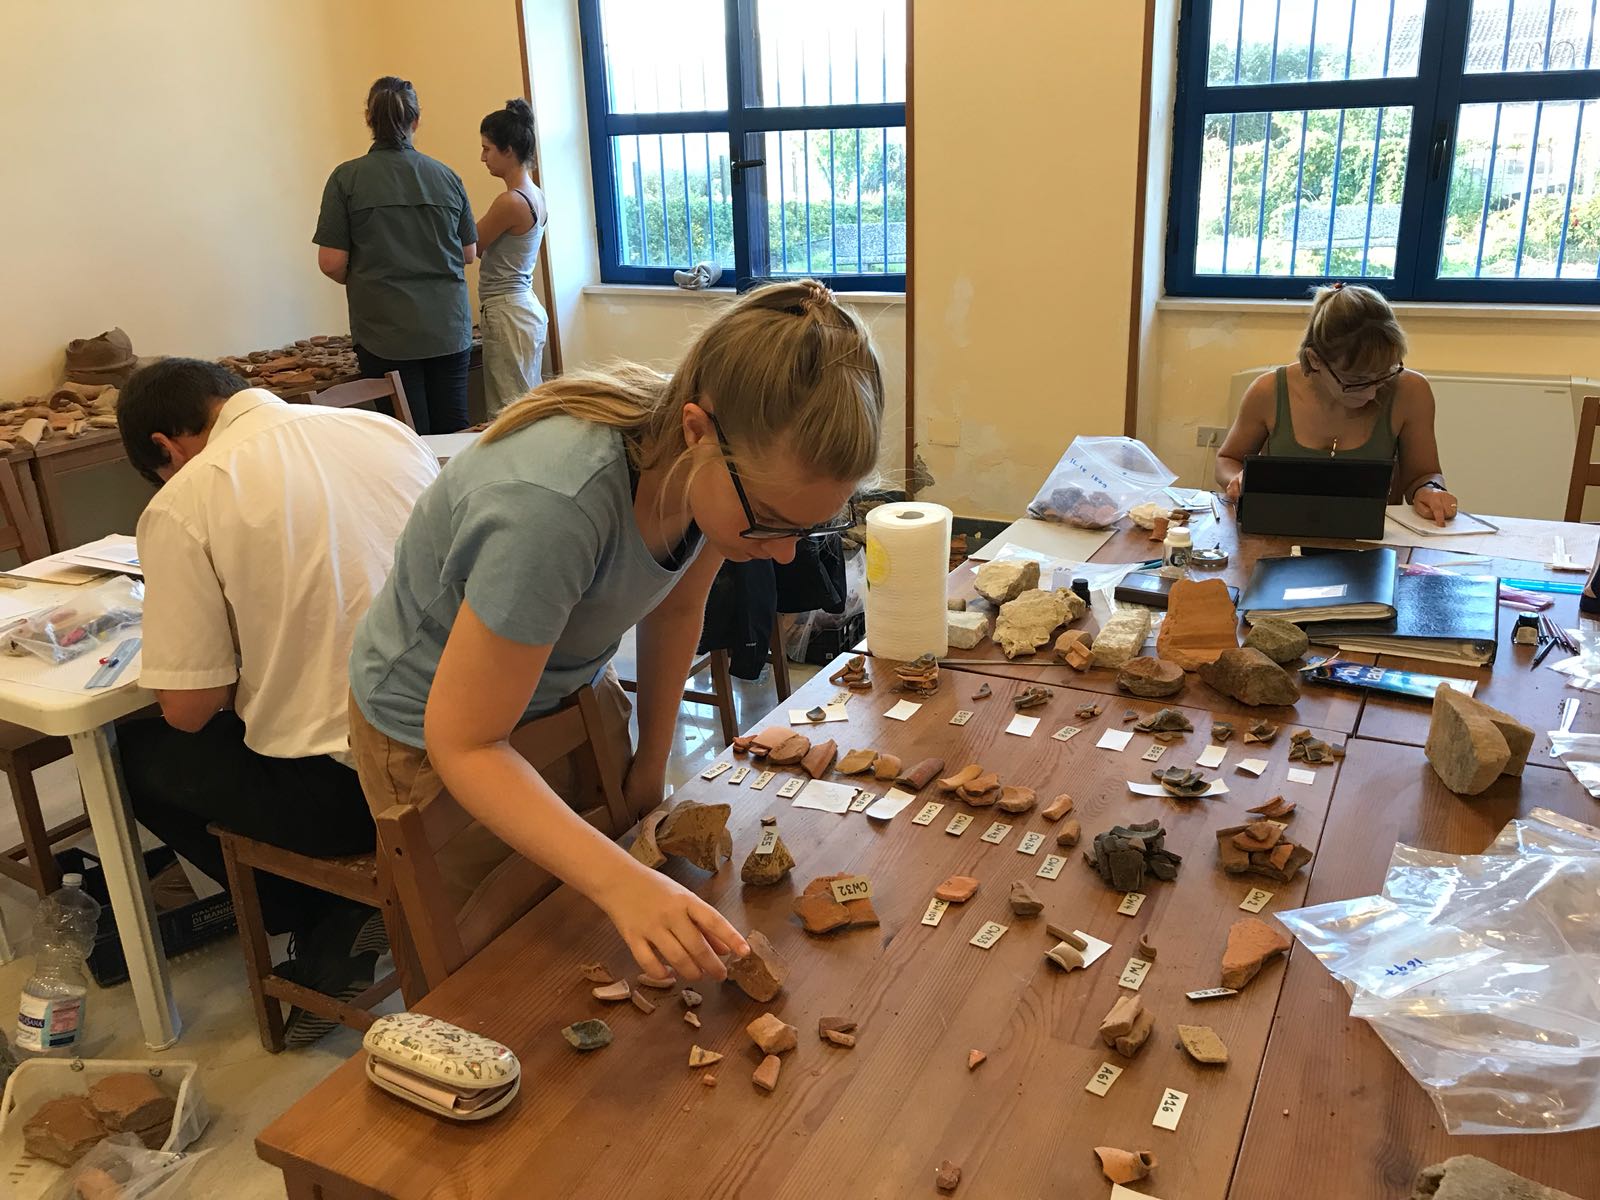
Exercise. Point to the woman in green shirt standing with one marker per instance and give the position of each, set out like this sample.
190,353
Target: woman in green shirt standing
396,230
1347,395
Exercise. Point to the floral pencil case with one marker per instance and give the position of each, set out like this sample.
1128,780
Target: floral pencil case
441,1067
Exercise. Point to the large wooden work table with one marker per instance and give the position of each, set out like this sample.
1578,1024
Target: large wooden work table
1311,1103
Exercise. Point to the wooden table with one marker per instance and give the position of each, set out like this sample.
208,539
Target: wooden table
1354,1114
634,1120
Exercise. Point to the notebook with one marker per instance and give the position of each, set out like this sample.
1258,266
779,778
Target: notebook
1340,585
1441,618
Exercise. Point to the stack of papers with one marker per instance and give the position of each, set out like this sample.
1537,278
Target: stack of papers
116,552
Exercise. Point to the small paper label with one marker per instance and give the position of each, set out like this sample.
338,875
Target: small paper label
740,774
1256,900
1331,592
935,912
1253,766
862,801
1114,739
1066,733
988,935
716,769
1154,753
1133,974
1170,1109
822,795
927,813
1211,993
858,887
996,833
903,711
958,824
1023,726
1051,866
961,718
1211,756
1103,1079
1131,903
769,840
762,780
791,787
1298,775
1093,948
1030,843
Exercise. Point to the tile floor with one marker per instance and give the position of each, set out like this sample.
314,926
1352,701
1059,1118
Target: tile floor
244,1086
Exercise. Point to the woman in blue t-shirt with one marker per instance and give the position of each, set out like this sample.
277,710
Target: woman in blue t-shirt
598,503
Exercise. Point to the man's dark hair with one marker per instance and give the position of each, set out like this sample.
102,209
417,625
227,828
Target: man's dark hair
172,397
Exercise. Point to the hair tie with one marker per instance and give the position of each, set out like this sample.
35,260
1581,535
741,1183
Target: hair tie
818,295
1338,287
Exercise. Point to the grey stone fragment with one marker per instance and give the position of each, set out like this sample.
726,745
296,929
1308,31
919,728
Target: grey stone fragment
1467,1177
1281,641
1250,677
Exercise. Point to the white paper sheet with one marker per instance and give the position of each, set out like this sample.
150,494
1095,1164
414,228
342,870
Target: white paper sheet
1296,775
1023,726
1095,948
903,711
1115,739
1212,756
1253,766
891,804
826,797
1217,788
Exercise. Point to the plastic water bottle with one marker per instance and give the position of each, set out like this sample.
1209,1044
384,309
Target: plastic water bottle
50,1017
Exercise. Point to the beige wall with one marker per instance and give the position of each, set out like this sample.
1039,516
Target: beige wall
1197,352
163,167
1025,158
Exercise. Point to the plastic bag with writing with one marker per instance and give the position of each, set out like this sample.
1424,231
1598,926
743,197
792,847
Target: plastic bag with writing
1098,480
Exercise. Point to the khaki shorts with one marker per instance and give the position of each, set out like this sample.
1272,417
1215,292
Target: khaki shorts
475,863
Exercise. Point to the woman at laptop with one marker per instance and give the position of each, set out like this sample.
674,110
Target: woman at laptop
1347,395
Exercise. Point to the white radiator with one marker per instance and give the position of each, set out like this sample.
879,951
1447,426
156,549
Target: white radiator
1505,441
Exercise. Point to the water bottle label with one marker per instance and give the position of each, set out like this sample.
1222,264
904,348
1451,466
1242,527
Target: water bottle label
49,1024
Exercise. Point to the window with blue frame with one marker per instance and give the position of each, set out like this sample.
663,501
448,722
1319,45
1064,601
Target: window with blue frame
1436,149
765,136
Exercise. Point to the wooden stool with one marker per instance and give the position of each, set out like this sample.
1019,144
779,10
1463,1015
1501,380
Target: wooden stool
22,752
355,878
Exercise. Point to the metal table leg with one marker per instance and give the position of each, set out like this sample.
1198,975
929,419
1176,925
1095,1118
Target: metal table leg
117,839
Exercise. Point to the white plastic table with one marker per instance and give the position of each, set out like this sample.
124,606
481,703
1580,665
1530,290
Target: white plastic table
85,717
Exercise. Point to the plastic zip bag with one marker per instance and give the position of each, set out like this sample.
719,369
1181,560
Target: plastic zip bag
122,1161
87,622
1098,480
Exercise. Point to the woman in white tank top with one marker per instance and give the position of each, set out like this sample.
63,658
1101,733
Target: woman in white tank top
511,319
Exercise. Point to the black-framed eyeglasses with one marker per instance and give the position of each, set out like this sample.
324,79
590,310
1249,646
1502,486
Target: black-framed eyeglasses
757,531
1363,385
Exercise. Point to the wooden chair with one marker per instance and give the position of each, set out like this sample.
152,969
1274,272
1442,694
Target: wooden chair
365,391
410,835
720,697
1585,472
361,878
22,751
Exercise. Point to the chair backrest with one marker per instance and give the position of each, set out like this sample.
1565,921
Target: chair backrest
409,836
367,391
19,532
1585,472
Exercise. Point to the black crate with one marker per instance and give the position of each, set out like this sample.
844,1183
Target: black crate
824,645
181,929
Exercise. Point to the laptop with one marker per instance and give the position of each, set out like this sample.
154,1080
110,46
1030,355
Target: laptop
1314,497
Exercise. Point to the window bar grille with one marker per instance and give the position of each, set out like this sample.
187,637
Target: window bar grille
833,176
1238,50
711,203
1272,72
1333,198
1350,41
1527,186
783,205
1377,148
1311,47
661,174
1488,190
1588,45
638,190
1299,176
805,155
1227,195
884,157
1261,207
1549,33
1572,179
856,60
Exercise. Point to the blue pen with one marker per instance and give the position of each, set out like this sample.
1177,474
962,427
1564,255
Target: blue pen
1545,585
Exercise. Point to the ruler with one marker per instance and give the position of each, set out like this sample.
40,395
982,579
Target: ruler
113,664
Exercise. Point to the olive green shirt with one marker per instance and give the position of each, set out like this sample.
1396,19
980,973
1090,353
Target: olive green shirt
404,219
1282,443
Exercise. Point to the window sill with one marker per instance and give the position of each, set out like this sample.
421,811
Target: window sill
1405,308
667,291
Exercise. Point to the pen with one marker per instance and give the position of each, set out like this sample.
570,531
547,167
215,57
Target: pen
1544,652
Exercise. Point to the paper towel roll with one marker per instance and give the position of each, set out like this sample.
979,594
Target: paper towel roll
908,557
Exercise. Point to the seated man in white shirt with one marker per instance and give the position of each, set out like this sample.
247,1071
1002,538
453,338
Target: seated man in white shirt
273,527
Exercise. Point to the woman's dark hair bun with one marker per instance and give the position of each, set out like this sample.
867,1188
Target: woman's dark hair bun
511,129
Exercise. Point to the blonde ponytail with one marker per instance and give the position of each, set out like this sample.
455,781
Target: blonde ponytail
784,364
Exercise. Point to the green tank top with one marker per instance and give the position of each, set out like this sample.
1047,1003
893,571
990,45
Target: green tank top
1281,442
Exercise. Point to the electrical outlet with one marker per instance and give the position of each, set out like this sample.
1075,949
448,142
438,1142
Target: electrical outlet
1209,436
